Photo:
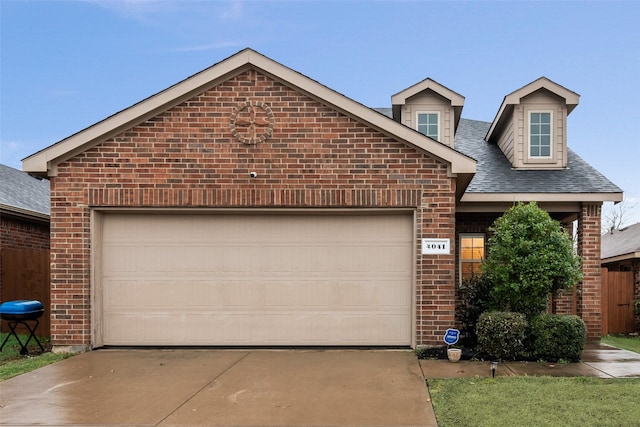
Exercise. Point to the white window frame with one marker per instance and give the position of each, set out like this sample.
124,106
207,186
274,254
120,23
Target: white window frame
437,113
460,259
551,136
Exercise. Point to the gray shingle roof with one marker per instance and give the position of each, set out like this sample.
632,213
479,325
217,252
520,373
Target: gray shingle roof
22,191
495,174
621,242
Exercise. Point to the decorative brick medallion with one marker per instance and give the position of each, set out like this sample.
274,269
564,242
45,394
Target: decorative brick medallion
252,122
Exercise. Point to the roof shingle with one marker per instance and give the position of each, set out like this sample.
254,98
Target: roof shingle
20,190
495,174
621,242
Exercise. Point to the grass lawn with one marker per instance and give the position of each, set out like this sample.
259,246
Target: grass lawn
12,363
623,341
536,401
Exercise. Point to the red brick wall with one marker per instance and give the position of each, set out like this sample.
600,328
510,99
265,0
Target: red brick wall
187,157
589,249
18,233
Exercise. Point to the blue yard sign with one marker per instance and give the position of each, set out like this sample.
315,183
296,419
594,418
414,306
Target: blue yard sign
451,336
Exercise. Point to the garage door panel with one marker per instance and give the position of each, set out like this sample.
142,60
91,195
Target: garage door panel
380,294
256,279
308,294
251,329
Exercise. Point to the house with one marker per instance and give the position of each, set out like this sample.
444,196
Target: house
24,239
251,205
621,256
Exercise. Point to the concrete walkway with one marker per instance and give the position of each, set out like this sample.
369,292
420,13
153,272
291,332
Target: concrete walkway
222,388
598,360
255,388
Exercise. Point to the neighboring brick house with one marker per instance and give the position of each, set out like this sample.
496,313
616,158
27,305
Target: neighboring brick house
24,238
621,252
24,210
251,205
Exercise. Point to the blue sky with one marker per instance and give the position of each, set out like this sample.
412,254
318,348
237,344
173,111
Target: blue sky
68,64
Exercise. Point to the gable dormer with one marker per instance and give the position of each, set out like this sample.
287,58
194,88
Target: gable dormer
531,125
429,108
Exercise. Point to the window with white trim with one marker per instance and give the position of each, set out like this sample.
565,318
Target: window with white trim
428,124
540,134
471,255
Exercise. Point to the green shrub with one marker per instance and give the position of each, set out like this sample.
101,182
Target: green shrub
502,334
475,295
556,337
530,258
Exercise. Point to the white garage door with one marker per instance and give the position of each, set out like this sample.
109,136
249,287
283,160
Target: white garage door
256,279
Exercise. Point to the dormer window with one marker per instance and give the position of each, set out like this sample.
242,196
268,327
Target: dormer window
540,134
531,125
431,109
428,124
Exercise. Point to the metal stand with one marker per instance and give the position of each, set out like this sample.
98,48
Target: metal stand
32,334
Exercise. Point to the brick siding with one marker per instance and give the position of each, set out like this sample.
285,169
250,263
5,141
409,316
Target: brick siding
589,305
22,234
187,157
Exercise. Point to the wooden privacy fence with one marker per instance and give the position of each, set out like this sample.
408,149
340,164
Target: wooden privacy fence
617,302
25,275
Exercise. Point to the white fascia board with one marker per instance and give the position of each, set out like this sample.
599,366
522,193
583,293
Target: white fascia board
460,163
24,213
572,99
401,97
45,160
623,257
541,197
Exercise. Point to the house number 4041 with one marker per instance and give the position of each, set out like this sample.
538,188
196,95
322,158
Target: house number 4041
435,246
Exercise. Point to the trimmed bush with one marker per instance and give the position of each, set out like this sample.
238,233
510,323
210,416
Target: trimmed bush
502,334
556,337
475,295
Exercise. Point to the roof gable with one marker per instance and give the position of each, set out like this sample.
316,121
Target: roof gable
456,100
514,98
45,161
401,97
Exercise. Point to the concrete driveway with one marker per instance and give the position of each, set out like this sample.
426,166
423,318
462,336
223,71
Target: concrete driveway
222,388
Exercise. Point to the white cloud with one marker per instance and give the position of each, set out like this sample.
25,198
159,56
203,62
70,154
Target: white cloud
235,11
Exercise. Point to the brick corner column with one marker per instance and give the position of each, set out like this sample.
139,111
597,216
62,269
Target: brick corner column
589,296
435,290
